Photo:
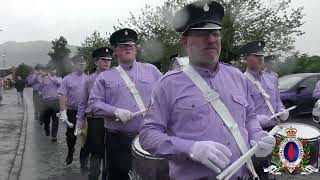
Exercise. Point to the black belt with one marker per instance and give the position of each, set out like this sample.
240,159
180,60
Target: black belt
91,115
127,134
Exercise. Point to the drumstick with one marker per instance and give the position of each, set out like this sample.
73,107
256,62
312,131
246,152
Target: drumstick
234,167
279,113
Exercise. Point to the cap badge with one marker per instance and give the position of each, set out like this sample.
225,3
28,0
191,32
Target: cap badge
126,33
259,44
206,8
107,50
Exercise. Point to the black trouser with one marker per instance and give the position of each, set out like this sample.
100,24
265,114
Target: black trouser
51,108
71,138
95,146
118,155
41,109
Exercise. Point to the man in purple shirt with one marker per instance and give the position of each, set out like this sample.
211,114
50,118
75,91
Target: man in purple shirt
95,133
32,81
69,98
268,66
264,92
266,99
116,95
182,125
49,86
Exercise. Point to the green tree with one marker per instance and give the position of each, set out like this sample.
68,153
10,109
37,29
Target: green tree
245,20
95,41
23,70
60,56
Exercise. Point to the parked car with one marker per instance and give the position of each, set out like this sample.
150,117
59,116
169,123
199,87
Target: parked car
297,89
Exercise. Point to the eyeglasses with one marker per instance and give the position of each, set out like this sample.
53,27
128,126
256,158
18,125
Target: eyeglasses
129,46
203,33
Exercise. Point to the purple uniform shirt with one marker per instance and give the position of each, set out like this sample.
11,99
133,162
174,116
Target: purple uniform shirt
270,85
71,87
180,116
34,81
49,87
83,106
110,92
316,92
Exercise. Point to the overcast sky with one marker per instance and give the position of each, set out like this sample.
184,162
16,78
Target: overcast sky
30,20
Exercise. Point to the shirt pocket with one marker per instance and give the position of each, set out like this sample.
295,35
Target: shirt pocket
193,112
240,105
145,85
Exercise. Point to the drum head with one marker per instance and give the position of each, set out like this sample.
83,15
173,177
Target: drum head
304,131
137,147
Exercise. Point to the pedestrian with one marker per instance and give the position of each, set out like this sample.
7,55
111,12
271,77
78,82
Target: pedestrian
116,95
20,84
202,116
69,98
94,144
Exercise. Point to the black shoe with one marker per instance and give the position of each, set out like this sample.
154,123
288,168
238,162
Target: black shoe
69,158
54,139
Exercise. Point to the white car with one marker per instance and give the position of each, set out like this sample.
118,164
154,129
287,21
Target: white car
316,112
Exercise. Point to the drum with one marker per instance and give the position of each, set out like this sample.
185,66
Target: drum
145,166
308,133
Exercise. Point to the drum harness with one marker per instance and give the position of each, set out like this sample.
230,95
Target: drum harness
213,98
132,88
264,94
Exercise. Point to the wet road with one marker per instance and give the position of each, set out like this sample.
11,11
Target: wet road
44,159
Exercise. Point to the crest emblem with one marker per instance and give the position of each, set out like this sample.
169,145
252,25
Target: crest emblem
206,8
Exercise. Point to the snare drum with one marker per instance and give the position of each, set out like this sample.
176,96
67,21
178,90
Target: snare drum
145,166
308,133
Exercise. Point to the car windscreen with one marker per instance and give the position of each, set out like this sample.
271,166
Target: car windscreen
287,82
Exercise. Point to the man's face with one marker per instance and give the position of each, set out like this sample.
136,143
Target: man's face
80,66
203,46
103,63
269,65
125,53
255,62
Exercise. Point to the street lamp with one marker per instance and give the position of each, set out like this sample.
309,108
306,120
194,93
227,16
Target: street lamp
4,60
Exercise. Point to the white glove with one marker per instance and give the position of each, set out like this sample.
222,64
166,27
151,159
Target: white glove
263,119
77,132
123,115
63,116
265,143
211,154
284,116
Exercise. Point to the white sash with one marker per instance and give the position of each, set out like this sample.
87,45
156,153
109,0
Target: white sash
132,87
213,98
264,94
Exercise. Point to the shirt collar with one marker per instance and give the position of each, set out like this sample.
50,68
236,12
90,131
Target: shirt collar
206,72
255,74
129,67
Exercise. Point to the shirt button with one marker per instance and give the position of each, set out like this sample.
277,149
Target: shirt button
228,143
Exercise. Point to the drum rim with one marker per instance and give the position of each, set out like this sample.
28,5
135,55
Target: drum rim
136,151
315,138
